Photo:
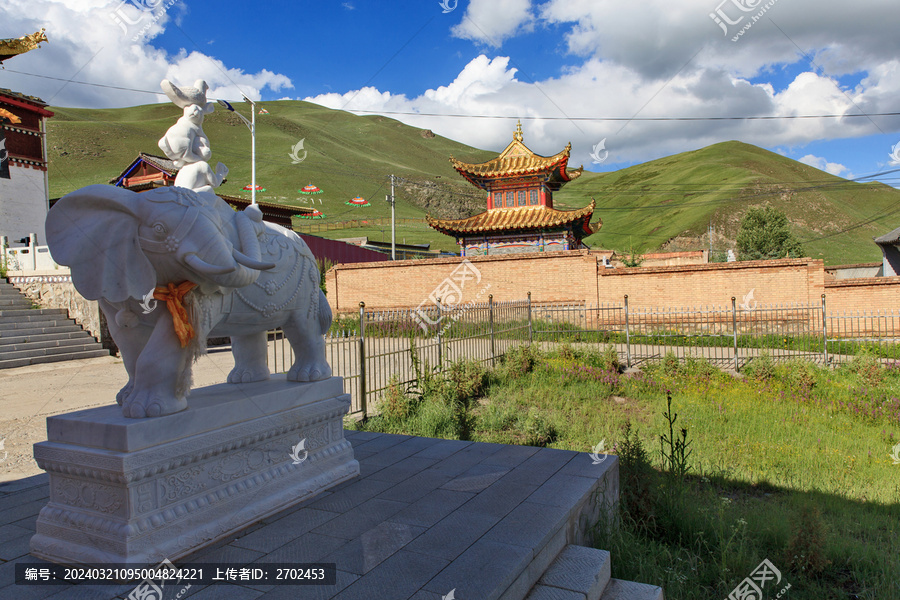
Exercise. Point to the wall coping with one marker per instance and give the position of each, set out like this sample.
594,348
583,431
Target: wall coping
870,265
728,266
452,260
863,281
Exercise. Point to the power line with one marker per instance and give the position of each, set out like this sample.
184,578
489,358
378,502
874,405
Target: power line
523,117
599,119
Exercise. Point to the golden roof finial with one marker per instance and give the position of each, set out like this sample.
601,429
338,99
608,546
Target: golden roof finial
518,134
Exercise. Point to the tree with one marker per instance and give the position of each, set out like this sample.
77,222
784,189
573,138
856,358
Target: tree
766,233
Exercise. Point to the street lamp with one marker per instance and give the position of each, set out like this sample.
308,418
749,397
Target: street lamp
251,125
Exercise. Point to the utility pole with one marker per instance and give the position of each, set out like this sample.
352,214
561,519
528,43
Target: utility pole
252,126
393,202
253,153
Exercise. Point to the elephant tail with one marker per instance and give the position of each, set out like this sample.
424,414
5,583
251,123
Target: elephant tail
324,313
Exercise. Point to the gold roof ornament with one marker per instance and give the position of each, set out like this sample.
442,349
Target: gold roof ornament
518,160
10,47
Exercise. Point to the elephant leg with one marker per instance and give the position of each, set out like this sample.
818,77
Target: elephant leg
309,350
130,340
249,358
158,370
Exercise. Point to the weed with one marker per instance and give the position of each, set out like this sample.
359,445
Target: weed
637,481
804,552
867,367
537,429
675,450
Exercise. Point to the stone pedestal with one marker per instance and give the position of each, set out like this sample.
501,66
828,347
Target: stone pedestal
141,490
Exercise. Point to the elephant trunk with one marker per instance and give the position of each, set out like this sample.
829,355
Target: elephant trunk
219,266
246,229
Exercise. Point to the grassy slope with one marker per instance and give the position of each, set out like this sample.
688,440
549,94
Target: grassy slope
348,155
667,202
649,204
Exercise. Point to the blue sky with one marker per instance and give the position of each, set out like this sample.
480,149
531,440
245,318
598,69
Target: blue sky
560,65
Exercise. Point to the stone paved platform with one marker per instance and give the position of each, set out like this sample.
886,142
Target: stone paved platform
426,516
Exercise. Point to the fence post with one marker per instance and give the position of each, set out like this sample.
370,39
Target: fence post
440,340
627,336
734,330
530,329
362,359
824,333
491,321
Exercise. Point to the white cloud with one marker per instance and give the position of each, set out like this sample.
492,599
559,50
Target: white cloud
823,165
490,22
490,87
92,40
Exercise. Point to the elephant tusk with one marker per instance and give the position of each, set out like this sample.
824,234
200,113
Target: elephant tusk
204,268
248,262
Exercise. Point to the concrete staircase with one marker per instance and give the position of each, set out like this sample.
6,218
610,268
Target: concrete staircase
581,573
30,336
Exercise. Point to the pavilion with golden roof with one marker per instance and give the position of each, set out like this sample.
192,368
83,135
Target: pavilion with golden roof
520,216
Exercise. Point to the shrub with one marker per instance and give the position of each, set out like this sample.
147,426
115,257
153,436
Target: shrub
609,359
697,366
804,549
801,375
518,361
867,367
670,364
396,405
761,367
465,380
537,428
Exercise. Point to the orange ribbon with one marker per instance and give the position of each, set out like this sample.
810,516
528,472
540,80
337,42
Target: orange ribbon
173,296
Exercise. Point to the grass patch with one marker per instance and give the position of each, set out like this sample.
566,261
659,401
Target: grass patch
790,463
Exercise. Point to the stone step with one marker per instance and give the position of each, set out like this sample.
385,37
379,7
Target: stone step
13,327
578,573
30,344
629,590
26,312
42,337
7,289
36,360
9,301
31,316
31,353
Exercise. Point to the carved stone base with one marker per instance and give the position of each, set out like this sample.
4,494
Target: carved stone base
141,490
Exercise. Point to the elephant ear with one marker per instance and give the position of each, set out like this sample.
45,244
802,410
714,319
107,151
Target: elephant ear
94,231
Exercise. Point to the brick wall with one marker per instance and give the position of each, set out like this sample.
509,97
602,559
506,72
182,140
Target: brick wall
870,294
575,276
786,281
550,277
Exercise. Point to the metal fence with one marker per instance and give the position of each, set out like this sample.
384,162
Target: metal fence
383,348
377,349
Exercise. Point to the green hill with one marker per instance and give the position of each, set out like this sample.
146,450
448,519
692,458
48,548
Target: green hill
667,203
347,156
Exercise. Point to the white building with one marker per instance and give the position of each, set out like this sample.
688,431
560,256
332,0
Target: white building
24,188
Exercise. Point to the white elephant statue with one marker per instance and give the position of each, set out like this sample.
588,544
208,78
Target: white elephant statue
213,272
